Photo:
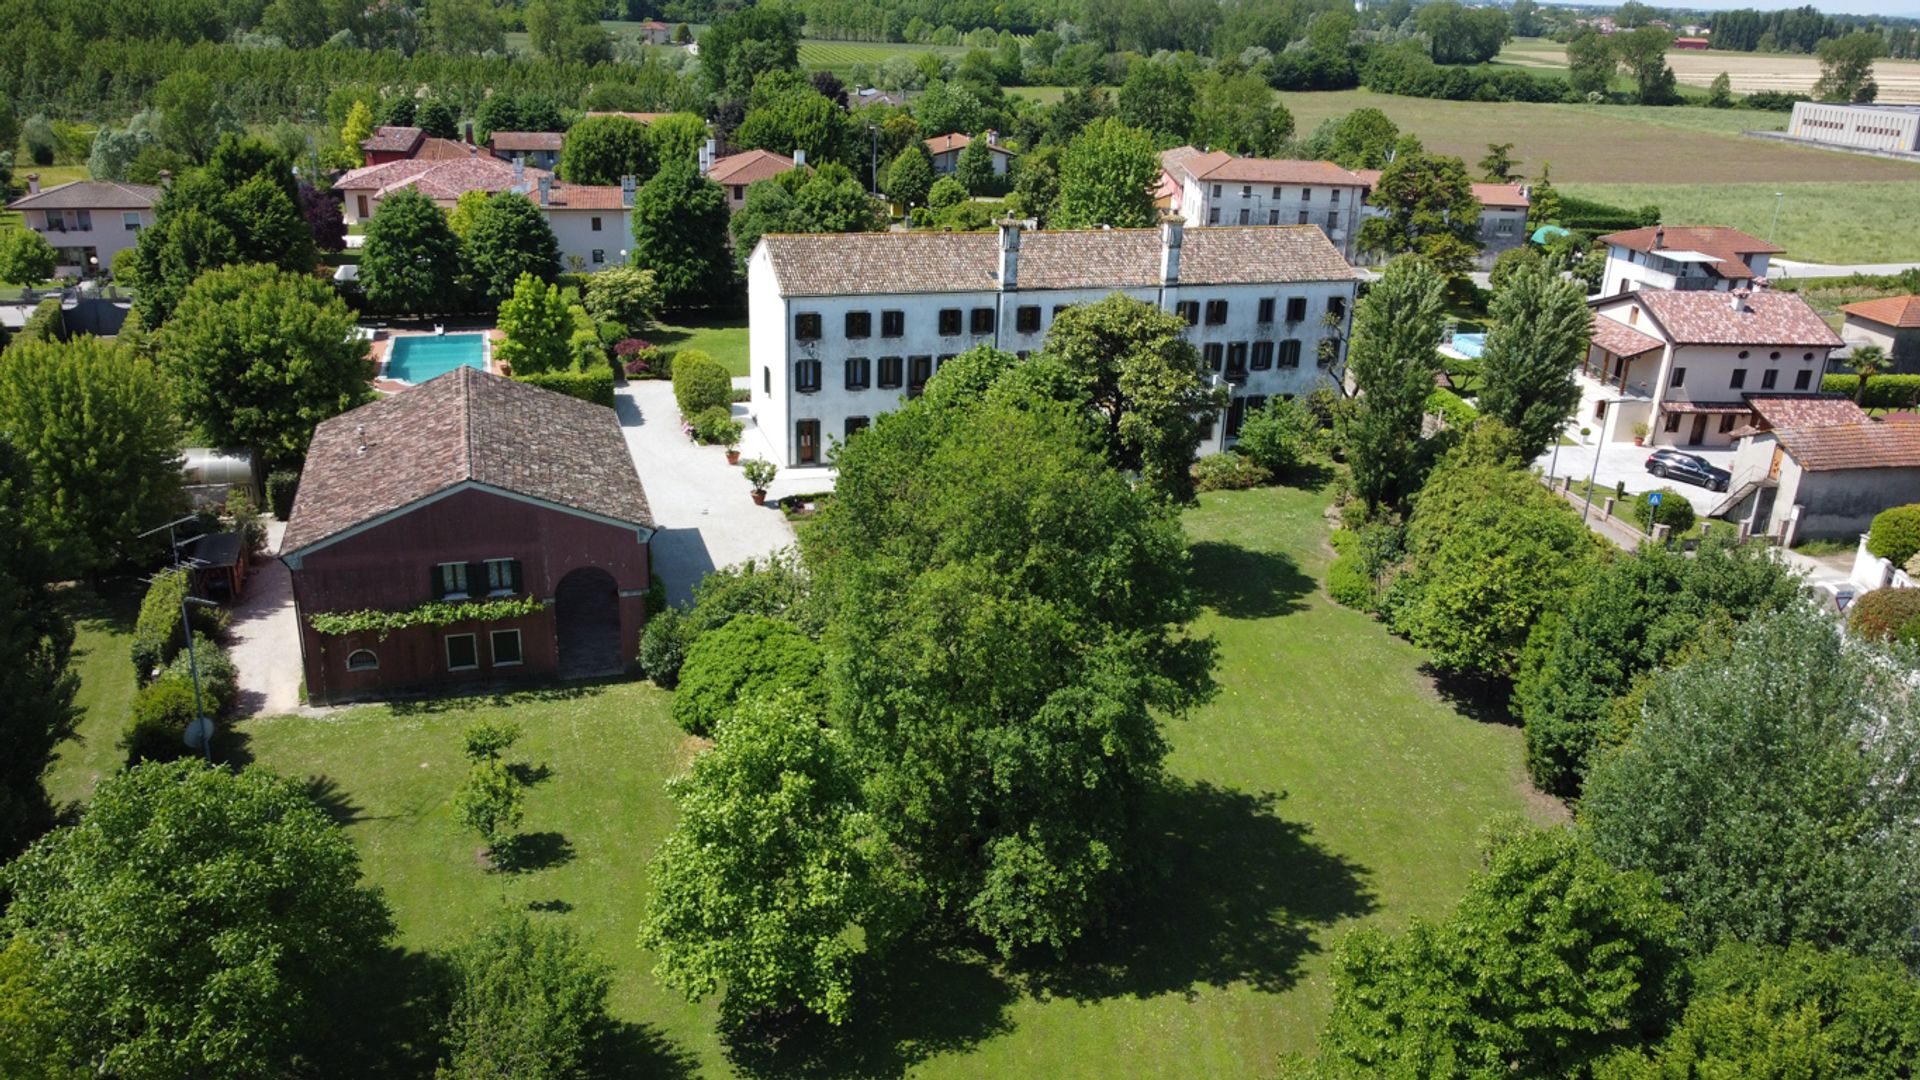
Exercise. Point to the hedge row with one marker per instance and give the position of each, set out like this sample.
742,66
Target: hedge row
595,384
1452,408
1883,391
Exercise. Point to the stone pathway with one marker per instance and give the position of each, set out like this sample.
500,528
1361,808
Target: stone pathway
265,638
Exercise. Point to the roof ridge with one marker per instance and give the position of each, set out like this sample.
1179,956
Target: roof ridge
467,375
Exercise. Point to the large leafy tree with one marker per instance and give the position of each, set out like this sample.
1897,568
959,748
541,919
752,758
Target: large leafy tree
411,259
1846,66
1643,52
218,217
257,357
786,115
508,237
679,231
1107,176
1774,790
1633,614
828,200
36,638
910,176
602,149
999,684
537,325
25,257
194,922
1541,327
97,436
773,867
1363,138
974,168
529,1002
1159,97
192,117
1392,359
1131,365
1591,62
1427,209
1552,960
1238,114
743,44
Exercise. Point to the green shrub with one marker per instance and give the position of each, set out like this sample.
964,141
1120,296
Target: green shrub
700,382
1883,391
1349,585
156,632
161,713
219,679
587,351
1895,533
1280,434
717,427
663,647
751,656
1884,613
1452,409
594,384
1674,511
46,323
282,486
1230,471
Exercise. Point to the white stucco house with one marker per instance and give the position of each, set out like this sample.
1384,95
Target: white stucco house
1216,188
88,222
1820,468
1503,218
945,152
1687,364
845,327
1891,322
1688,257
592,223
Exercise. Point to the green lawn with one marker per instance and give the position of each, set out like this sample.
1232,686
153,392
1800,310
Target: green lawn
103,627
724,339
1819,222
1329,783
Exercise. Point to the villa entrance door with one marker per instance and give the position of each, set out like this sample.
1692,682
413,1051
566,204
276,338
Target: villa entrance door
587,622
1699,433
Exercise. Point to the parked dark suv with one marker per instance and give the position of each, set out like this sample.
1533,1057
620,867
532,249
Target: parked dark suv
1688,469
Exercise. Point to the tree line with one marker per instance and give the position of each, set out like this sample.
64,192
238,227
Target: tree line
1803,29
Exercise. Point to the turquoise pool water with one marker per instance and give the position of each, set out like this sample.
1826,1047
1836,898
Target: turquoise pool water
1470,345
415,358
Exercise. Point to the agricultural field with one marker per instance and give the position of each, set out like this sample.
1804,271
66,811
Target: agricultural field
1787,72
1819,222
1297,809
841,55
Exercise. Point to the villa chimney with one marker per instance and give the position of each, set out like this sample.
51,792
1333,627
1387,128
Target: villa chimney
1172,232
469,132
799,157
519,170
1009,254
993,137
33,183
166,178
626,190
1659,239
707,153
1739,299
546,191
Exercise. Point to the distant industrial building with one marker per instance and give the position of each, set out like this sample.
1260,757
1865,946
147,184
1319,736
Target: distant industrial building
1884,128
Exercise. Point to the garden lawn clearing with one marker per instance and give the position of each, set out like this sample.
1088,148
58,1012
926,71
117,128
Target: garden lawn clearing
725,339
1329,784
1836,222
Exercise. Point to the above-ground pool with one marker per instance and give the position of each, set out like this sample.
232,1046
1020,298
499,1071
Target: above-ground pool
1469,345
415,358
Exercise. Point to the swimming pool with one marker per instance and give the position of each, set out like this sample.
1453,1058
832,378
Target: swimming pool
415,358
1470,345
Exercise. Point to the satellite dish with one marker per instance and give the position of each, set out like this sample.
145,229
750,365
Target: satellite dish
198,733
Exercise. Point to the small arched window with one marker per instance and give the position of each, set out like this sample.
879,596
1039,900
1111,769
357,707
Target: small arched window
1775,355
1744,354
1808,356
362,660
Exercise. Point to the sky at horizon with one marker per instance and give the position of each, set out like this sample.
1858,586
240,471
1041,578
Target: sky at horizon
1908,8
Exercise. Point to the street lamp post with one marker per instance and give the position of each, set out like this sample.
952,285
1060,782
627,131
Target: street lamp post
202,726
1593,474
1777,197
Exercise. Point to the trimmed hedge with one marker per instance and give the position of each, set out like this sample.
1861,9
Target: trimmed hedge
156,632
594,384
1884,613
1895,533
1674,511
1883,391
1588,216
751,656
161,712
282,486
699,383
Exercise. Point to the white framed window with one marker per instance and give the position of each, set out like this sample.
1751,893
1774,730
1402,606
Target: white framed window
596,224
599,256
506,648
453,580
362,660
130,220
463,652
502,575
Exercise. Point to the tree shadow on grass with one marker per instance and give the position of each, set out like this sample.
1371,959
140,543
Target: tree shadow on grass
1241,896
333,800
1485,698
382,1022
1241,583
639,1052
530,775
1307,476
527,852
917,1002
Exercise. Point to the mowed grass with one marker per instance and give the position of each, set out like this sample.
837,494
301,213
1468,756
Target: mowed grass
1819,222
725,339
840,55
1328,785
1748,72
103,629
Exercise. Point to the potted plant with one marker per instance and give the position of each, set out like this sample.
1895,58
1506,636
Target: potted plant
1640,433
730,437
760,472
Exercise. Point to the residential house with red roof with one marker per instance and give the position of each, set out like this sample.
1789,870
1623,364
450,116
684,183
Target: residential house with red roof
540,149
88,222
1217,188
1891,322
1687,364
945,152
592,223
737,172
509,518
389,144
1710,257
1818,468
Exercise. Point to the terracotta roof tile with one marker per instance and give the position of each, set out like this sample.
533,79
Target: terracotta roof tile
1898,311
582,197
930,262
747,167
954,140
1225,168
1506,196
442,181
437,149
392,138
90,195
1622,340
464,426
1724,244
1765,317
1806,410
1882,444
526,140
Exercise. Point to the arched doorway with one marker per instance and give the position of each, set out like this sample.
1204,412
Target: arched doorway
587,622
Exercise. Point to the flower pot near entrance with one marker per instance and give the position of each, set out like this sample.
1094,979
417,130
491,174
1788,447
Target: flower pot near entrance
759,472
733,456
1640,431
759,498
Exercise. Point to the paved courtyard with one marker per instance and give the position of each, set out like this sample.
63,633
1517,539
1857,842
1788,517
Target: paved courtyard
1624,462
702,507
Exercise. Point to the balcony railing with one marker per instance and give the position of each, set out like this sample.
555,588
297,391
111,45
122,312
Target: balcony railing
1695,284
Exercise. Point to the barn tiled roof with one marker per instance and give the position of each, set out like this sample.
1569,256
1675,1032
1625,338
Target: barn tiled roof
745,168
1502,196
834,264
1893,443
582,197
1620,339
1897,311
392,138
433,148
464,426
527,140
954,140
1806,410
1223,167
439,180
1765,317
1727,246
90,195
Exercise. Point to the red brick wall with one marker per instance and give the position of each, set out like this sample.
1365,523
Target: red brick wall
390,567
